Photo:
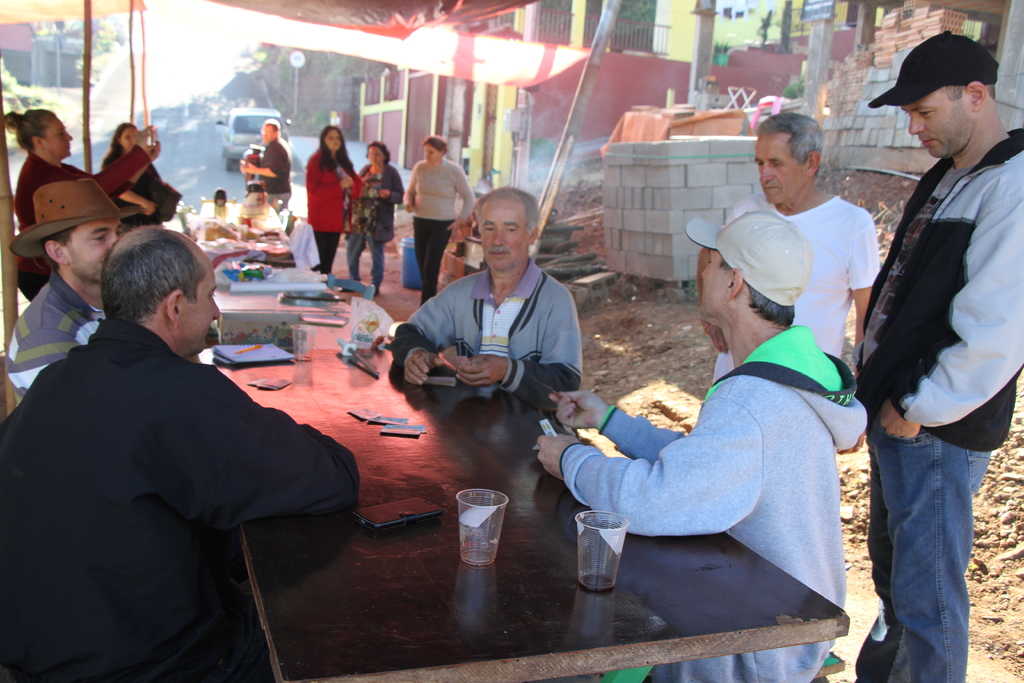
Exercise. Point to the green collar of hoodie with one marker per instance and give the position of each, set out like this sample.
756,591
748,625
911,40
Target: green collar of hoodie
793,359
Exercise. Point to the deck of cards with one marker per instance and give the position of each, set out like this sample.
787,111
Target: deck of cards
391,426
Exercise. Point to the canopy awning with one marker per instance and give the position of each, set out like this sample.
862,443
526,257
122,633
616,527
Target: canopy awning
431,47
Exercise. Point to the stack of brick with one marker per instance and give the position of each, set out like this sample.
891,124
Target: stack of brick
848,81
653,189
906,27
861,126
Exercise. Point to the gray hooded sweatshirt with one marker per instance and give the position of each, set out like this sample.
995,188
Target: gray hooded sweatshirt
760,465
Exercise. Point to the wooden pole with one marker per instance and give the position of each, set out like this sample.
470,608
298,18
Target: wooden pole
8,264
131,56
87,86
145,100
819,58
588,79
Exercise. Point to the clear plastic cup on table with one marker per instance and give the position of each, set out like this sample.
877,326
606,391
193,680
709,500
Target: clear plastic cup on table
481,512
303,337
599,539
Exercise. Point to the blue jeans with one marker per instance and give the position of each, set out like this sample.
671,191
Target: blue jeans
919,538
354,244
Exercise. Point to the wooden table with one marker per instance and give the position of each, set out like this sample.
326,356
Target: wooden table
340,602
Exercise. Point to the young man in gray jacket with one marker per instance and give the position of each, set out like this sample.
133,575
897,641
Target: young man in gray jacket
943,347
760,462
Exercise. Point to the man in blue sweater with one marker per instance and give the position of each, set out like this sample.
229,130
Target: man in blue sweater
760,462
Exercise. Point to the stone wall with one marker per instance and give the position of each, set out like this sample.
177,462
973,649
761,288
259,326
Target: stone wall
653,189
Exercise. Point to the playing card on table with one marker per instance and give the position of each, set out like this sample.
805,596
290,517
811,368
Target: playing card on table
382,420
403,430
364,413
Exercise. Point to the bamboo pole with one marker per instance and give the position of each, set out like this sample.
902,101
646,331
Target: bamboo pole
8,263
131,56
145,99
87,86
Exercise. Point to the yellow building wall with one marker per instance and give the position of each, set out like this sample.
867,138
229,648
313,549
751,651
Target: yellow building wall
503,144
502,138
680,32
475,139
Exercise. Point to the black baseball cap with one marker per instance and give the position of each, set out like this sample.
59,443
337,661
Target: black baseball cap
942,60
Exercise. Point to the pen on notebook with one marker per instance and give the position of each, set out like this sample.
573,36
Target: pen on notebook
251,348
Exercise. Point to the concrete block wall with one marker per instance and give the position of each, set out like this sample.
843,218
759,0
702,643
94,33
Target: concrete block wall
653,189
866,127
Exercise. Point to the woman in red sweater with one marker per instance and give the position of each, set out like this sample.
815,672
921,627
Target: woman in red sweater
331,185
40,133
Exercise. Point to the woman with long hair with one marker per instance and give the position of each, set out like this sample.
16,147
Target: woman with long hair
40,133
373,216
431,199
123,142
331,185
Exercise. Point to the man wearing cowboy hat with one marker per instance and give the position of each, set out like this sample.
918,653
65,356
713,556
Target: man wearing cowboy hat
77,225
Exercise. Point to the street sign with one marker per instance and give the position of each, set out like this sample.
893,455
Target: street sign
816,10
297,59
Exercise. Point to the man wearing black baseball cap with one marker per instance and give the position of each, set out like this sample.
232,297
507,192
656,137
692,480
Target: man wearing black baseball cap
943,346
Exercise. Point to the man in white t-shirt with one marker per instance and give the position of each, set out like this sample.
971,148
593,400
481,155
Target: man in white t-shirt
788,153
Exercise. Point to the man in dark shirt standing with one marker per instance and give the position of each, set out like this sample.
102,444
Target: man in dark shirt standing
122,473
275,166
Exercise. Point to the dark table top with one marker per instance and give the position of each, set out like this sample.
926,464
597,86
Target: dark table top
341,601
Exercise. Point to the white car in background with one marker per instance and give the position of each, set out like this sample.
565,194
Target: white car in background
243,129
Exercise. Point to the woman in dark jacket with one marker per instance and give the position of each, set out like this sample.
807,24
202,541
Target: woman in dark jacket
124,141
373,219
332,184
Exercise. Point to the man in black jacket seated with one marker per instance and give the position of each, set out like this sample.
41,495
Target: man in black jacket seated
121,474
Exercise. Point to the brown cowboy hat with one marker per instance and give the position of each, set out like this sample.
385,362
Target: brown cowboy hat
64,205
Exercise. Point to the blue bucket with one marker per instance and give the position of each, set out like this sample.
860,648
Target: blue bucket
411,278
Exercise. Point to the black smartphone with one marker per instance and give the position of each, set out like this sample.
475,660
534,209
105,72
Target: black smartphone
399,513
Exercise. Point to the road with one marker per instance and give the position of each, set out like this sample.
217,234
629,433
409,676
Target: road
189,90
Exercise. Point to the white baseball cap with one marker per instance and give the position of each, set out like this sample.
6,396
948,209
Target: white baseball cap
773,255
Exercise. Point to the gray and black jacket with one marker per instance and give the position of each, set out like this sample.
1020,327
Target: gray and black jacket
951,349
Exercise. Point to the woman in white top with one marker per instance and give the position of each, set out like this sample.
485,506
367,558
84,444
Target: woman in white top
431,199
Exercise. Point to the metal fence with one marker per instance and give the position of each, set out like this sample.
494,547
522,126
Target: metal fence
554,26
639,36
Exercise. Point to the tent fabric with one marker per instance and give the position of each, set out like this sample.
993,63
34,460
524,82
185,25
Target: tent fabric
28,11
483,59
436,50
397,18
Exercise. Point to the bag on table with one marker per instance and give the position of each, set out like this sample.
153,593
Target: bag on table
368,321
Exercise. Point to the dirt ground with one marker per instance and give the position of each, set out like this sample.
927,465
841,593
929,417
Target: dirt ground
648,355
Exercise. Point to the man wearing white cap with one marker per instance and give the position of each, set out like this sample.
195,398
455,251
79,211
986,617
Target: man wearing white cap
760,462
76,226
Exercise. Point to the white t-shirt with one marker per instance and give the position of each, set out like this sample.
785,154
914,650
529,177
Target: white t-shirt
845,258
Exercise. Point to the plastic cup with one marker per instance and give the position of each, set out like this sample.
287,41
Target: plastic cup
599,539
481,512
302,341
